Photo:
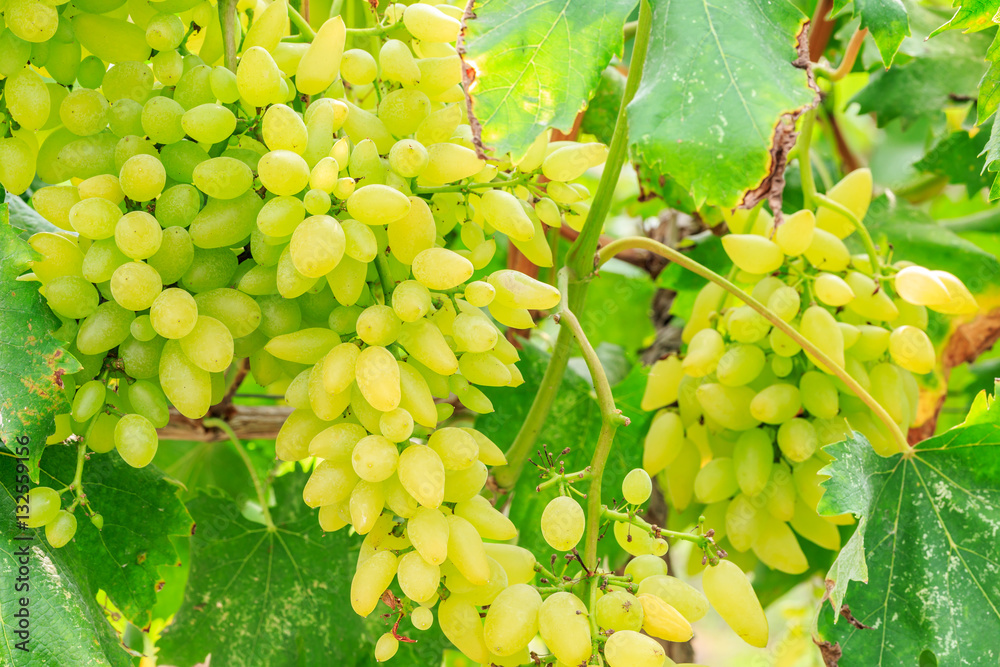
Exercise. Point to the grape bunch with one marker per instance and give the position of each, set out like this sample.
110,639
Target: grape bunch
744,413
323,214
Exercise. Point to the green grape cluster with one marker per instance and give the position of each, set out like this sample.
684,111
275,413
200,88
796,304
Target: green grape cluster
323,213
744,413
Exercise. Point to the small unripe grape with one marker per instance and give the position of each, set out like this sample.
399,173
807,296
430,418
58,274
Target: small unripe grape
61,529
637,487
562,523
43,506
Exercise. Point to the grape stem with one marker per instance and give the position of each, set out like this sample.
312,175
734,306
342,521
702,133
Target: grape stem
222,425
503,183
227,18
701,541
384,276
564,478
613,248
580,263
77,484
301,23
850,56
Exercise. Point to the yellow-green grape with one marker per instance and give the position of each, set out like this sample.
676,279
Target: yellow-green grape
662,383
784,302
686,599
54,203
489,522
428,23
457,448
387,645
634,540
448,163
815,528
660,619
503,211
716,481
466,551
619,611
188,386
223,82
84,112
330,482
870,301
752,253
827,252
795,232
643,567
408,158
142,178
317,246
423,618
320,63
960,299
512,620
135,285
920,286
173,313
776,404
627,648
704,352
740,365
43,506
912,349
569,162
377,377
106,328
366,504
371,579
138,234
27,99
854,192
637,487
317,202
729,406
283,172
753,456
516,290
832,290
258,78
563,625
562,523
136,440
440,268
72,296
283,129
461,624
223,177
820,328
61,529
358,67
797,439
378,325
775,545
377,204
374,458
422,474
209,345
747,325
94,218
819,395
731,594
17,164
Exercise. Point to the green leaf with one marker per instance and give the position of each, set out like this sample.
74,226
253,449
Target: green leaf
946,68
929,541
32,362
602,113
141,510
888,23
26,218
67,625
573,422
536,63
989,87
717,84
957,157
992,163
260,598
971,16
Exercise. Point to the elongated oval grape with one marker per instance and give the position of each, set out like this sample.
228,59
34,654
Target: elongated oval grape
106,328
854,192
512,620
72,296
660,619
569,162
417,578
209,345
173,313
562,523
729,406
371,579
776,404
704,352
663,442
321,62
820,328
136,440
752,460
222,177
627,648
422,474
740,365
88,400
776,546
752,253
377,376
716,480
562,623
827,252
832,290
43,507
377,204
683,597
61,529
258,77
429,530
466,551
188,386
731,594
461,624
317,245
912,349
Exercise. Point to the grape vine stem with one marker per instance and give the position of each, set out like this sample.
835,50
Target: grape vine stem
258,486
610,250
580,263
301,23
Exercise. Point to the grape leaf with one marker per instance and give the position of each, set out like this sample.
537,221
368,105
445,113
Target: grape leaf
886,20
930,545
67,625
573,422
956,156
946,68
602,113
262,598
971,16
992,163
536,63
718,85
989,87
32,362
141,510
